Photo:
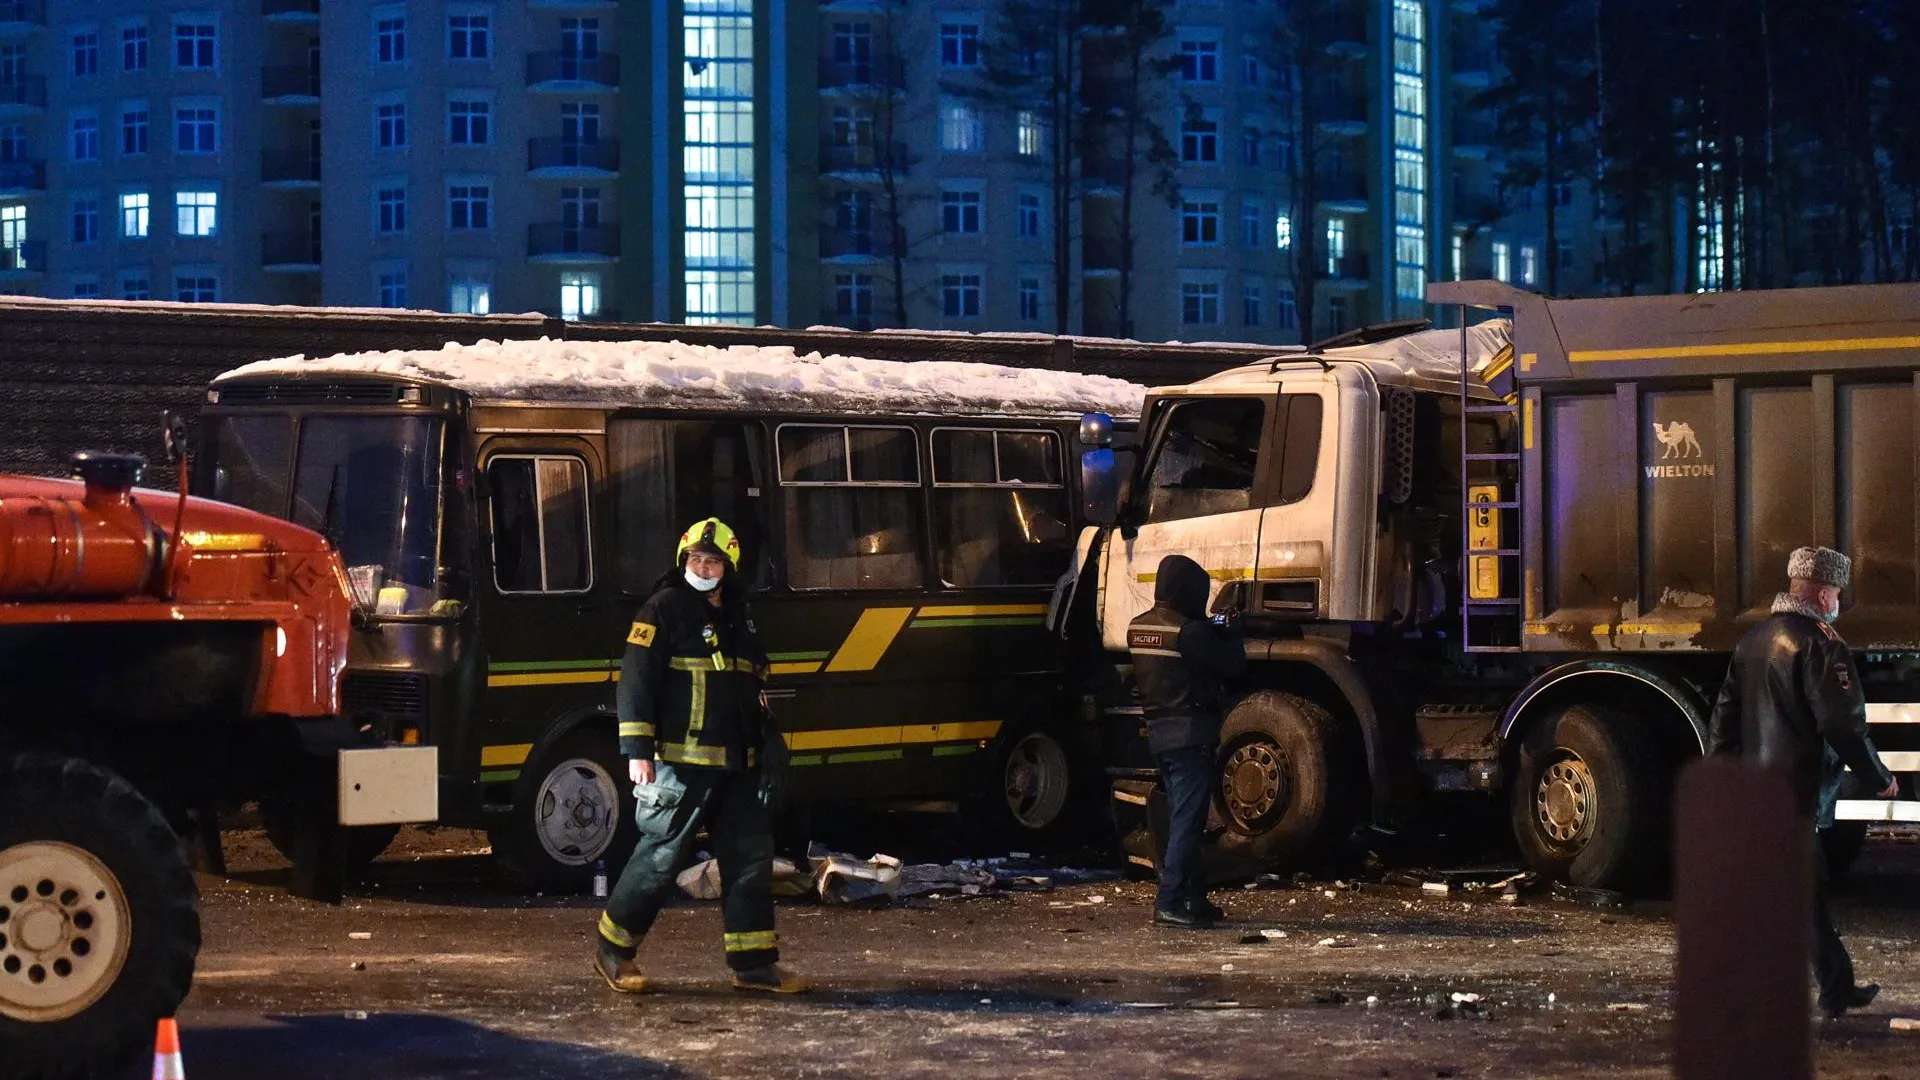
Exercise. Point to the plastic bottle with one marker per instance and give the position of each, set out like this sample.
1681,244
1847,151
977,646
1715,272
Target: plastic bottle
600,879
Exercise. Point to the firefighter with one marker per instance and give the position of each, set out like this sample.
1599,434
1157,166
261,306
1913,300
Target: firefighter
1180,662
691,724
1791,698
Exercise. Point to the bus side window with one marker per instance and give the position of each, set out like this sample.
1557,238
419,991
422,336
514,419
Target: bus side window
852,499
538,518
999,508
668,474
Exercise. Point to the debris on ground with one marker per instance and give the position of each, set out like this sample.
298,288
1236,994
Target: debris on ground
360,935
843,879
1589,897
1262,937
1436,888
1627,1006
933,878
1903,1023
702,880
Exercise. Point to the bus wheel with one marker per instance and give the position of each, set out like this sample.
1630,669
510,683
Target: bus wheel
98,919
1030,790
1591,799
295,832
1842,846
574,808
1289,782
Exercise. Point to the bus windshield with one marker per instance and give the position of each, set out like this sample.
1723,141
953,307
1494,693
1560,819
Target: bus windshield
371,484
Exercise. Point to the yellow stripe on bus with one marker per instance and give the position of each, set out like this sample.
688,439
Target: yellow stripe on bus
962,610
1751,348
798,668
867,642
552,678
510,754
967,731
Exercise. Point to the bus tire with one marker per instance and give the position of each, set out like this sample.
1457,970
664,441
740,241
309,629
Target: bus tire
1289,783
294,831
1033,790
1592,799
1842,845
94,882
573,808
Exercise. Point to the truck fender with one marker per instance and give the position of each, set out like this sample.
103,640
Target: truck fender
1684,698
1391,779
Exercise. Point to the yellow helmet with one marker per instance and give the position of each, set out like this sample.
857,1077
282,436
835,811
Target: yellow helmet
712,535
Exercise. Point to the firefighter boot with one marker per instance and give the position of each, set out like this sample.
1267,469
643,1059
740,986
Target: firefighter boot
771,979
619,968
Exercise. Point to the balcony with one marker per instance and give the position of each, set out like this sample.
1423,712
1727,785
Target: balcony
1342,31
569,159
864,75
285,170
22,178
1344,112
289,253
291,11
1473,135
559,242
1103,173
289,86
21,16
23,94
1350,268
853,246
1472,62
1100,256
24,260
864,158
1342,190
563,72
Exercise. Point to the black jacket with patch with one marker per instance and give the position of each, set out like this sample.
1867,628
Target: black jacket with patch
1181,659
690,682
1793,698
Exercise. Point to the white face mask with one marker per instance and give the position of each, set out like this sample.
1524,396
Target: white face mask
702,584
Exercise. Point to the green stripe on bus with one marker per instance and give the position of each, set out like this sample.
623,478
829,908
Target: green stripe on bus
864,755
1006,620
791,657
956,751
555,665
807,759
499,776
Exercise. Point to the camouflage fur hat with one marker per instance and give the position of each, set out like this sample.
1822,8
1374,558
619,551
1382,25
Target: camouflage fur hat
1822,566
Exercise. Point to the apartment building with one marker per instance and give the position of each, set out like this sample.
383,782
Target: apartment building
588,158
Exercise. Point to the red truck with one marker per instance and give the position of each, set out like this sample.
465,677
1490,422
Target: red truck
161,657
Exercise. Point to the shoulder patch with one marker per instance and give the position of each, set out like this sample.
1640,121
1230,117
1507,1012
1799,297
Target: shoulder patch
642,634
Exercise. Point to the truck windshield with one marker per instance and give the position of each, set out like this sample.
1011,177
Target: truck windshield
371,484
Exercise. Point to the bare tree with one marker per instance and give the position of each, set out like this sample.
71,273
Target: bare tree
1034,67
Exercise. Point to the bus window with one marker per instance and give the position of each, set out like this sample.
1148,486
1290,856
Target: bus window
540,524
669,474
999,508
852,498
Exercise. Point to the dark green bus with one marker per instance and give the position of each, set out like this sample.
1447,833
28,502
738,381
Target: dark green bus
503,509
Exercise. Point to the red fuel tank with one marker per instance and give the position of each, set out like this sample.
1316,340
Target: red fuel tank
101,544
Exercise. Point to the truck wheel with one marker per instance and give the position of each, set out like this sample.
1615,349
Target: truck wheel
360,845
1032,789
1842,846
1592,798
1289,782
98,919
574,808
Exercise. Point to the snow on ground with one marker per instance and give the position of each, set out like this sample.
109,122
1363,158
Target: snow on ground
676,374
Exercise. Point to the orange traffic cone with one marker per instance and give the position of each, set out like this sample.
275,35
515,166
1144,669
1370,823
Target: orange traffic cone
166,1052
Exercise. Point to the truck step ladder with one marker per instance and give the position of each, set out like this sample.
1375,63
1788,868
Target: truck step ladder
1489,520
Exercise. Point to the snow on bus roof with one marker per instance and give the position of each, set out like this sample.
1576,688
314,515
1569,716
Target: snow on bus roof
673,373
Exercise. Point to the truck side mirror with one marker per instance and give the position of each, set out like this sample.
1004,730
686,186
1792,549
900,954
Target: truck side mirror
173,435
1099,486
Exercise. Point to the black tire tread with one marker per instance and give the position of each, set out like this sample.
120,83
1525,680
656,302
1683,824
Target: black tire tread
37,789
1344,782
517,850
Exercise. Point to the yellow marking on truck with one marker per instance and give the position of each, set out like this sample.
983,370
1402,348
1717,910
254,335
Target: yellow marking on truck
551,678
1502,360
795,668
1527,360
1630,629
509,754
867,642
960,610
1751,348
965,731
206,541
1526,423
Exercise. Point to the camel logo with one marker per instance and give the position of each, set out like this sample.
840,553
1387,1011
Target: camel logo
1681,444
1678,438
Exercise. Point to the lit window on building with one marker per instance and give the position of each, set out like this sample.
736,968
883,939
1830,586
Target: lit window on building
1502,260
580,295
470,294
196,213
718,146
1410,212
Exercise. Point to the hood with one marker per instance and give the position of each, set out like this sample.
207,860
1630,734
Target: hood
1183,586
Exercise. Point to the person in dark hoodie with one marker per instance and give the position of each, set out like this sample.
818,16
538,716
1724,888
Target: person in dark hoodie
1792,698
1181,661
691,724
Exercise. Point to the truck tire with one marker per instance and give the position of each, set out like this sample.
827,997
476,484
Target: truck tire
1592,799
1033,791
360,845
99,924
573,808
1842,846
1290,782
